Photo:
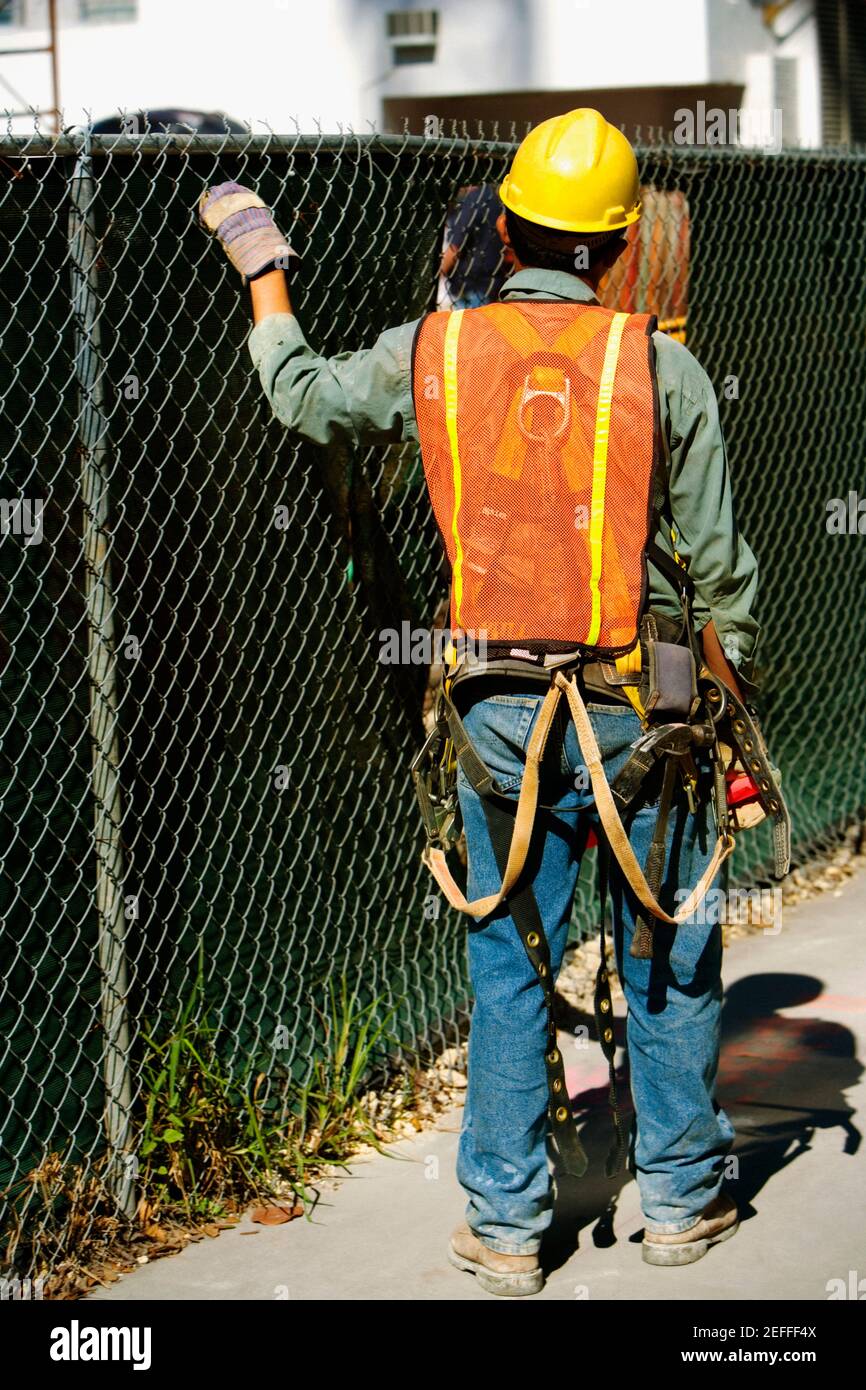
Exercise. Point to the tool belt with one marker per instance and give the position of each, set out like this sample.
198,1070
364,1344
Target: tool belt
683,708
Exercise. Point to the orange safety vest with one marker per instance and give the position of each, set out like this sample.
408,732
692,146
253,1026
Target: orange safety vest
538,423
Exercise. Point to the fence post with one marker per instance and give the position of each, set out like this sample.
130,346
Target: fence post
102,680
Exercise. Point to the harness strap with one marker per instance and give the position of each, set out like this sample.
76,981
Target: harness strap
523,822
613,826
604,1020
475,769
642,938
676,573
511,836
527,919
608,814
750,745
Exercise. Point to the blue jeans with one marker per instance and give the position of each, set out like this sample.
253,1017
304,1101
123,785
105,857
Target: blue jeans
674,1000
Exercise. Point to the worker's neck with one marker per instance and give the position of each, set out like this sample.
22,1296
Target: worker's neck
590,280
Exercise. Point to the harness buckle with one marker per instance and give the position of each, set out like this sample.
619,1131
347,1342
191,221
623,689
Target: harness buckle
434,777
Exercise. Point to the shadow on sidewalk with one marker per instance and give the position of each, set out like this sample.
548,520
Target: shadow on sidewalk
780,1079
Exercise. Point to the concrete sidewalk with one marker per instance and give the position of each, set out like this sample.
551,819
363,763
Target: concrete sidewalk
790,1080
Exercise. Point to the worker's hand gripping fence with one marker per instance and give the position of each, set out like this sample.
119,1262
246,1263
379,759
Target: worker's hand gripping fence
200,744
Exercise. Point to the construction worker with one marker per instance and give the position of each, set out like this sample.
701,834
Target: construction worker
564,447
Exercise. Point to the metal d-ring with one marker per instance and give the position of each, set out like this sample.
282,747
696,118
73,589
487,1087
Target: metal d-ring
563,398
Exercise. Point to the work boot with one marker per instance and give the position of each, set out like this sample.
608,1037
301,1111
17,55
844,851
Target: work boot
512,1276
717,1222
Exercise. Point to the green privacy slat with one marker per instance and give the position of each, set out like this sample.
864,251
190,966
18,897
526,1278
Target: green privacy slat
244,648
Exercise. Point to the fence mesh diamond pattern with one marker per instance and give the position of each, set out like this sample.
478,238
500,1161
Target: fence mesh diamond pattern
200,747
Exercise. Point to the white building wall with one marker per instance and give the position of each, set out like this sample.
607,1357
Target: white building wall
272,62
265,61
600,43
743,48
538,45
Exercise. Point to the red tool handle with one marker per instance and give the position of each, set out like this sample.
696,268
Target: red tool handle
741,788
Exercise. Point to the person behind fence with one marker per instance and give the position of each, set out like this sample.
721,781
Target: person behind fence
576,468
475,262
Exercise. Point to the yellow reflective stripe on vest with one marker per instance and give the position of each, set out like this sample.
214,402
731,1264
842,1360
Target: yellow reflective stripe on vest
630,665
599,469
452,333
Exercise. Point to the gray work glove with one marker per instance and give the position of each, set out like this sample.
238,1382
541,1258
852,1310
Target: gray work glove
246,229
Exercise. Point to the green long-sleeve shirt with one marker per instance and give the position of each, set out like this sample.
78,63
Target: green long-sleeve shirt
365,397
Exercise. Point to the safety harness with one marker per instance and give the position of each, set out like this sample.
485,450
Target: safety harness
719,723
545,443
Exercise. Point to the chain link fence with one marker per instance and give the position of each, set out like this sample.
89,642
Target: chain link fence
200,748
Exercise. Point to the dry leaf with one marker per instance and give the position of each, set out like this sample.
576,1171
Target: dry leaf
275,1215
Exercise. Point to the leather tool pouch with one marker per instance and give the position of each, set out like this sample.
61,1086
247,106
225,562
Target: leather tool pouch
668,685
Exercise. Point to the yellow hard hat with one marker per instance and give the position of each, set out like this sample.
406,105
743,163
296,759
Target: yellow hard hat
576,173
